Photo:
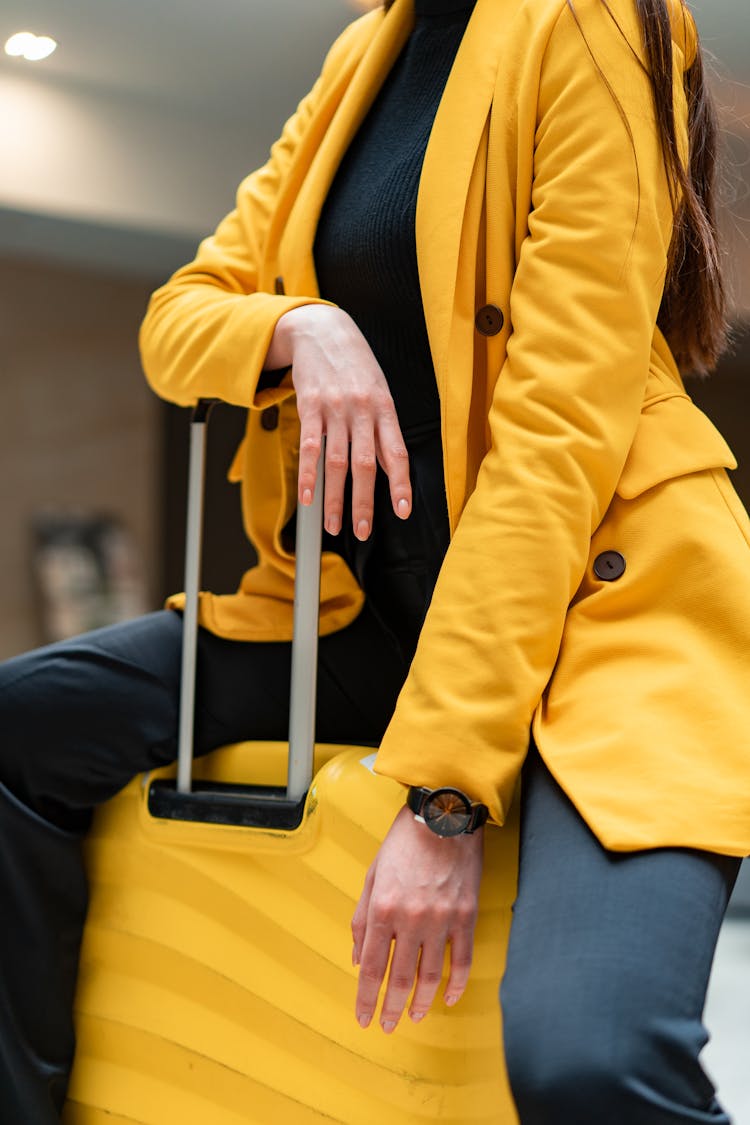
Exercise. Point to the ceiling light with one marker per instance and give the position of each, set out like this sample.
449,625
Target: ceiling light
26,45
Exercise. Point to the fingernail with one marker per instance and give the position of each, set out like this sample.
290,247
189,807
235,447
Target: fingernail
333,525
307,497
403,509
355,958
387,1026
364,1020
451,1000
415,1017
363,529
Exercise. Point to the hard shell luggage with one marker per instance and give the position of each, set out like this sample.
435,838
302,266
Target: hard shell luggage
216,984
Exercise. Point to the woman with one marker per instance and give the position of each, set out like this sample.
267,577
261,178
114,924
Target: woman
493,319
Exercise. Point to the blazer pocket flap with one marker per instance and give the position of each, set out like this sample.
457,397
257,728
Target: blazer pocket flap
673,438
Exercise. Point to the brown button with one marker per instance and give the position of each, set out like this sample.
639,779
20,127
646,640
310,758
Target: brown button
489,320
609,566
269,418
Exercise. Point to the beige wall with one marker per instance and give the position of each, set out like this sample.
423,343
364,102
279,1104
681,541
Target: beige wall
78,426
143,160
734,191
726,396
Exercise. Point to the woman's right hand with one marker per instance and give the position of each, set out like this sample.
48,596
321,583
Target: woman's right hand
342,393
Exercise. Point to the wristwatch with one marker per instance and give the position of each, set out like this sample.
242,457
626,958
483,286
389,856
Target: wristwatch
447,811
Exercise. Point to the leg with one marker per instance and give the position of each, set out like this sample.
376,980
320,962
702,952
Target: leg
79,719
608,966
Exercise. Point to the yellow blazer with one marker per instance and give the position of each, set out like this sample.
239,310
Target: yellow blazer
566,435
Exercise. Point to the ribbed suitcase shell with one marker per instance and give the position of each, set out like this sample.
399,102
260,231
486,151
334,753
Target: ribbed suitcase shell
216,985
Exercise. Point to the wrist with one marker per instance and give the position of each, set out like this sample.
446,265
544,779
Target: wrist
281,349
302,320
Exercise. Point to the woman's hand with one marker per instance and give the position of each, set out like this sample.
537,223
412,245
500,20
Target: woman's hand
342,393
420,894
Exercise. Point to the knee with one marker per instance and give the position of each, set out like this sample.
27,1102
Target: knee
570,1062
563,1078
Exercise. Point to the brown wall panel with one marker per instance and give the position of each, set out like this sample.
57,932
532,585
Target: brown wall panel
78,425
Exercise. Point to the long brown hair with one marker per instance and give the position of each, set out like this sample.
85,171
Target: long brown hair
693,313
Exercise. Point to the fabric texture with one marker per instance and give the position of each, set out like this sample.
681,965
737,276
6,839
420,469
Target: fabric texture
44,896
607,971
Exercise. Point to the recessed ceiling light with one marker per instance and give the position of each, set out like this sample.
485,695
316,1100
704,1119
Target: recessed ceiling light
26,45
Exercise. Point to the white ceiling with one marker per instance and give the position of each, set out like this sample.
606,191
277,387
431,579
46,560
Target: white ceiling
150,111
217,58
228,58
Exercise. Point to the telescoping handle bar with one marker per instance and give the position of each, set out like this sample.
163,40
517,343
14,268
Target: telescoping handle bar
305,640
193,543
245,804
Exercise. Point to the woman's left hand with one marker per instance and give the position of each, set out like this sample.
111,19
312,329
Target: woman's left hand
420,895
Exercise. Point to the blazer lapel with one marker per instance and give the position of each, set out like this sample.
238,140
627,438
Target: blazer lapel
447,172
296,249
449,225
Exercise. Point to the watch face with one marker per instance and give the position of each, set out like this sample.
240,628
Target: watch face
447,812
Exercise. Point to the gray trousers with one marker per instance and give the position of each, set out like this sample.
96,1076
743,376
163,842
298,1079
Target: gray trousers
608,966
609,955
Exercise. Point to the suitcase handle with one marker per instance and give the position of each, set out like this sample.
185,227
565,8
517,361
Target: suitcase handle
242,804
193,541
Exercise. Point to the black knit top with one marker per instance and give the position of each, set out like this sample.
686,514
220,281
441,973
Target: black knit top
365,250
366,262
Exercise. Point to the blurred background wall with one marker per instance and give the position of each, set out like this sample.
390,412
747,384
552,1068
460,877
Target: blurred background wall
117,154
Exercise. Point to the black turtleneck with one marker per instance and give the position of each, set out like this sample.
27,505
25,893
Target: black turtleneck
366,262
442,7
365,249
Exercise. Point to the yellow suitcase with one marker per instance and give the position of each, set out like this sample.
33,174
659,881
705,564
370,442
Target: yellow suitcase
216,985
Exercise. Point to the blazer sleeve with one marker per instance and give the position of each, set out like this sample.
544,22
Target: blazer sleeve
583,308
207,331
